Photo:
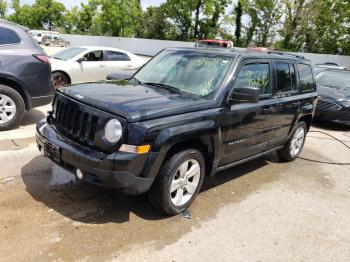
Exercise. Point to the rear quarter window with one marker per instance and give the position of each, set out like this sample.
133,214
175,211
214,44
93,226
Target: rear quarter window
8,37
306,79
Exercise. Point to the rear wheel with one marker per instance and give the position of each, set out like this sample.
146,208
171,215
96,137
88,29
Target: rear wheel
178,182
295,144
11,108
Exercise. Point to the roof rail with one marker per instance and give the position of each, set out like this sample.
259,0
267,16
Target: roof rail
287,54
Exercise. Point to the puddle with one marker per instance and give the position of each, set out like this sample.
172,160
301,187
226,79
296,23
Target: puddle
60,176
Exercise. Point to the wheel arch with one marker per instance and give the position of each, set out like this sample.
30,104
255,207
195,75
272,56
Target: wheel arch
18,88
307,119
203,136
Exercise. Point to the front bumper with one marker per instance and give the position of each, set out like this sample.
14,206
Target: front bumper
119,170
336,116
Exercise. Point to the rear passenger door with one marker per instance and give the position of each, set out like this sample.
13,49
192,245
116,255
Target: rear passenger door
286,104
116,61
245,129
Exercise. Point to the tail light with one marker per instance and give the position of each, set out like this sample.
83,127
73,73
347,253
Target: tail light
43,58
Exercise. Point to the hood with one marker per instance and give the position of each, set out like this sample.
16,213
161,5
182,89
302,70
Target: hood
135,103
334,93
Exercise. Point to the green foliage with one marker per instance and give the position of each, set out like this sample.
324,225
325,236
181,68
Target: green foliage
321,26
43,14
118,17
3,8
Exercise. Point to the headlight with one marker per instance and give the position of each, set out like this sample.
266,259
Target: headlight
346,103
113,131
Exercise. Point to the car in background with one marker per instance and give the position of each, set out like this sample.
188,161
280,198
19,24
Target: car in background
25,74
38,34
54,40
333,86
214,43
81,64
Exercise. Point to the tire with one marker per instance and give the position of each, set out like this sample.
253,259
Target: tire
59,79
12,108
296,141
172,174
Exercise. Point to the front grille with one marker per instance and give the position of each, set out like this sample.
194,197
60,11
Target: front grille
327,105
81,123
75,123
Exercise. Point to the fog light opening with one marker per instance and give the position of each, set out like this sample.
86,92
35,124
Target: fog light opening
79,174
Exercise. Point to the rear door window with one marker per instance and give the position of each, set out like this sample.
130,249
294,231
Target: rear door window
8,37
306,79
286,79
116,56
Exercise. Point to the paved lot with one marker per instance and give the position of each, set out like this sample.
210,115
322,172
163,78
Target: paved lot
259,211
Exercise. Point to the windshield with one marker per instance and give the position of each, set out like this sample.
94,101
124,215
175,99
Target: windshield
189,71
334,79
68,53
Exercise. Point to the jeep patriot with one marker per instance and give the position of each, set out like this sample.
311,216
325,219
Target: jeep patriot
187,114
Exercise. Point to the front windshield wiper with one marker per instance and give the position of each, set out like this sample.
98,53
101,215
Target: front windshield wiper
166,87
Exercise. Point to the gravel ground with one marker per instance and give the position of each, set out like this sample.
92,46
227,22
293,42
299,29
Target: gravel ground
260,211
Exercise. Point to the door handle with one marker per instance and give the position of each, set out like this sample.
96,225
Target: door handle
102,66
296,104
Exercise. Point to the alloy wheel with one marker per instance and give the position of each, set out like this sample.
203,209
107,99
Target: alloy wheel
297,141
7,109
185,182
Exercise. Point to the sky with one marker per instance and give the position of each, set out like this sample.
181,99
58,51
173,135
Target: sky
70,3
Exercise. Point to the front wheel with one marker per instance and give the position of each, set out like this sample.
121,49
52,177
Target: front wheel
178,182
295,144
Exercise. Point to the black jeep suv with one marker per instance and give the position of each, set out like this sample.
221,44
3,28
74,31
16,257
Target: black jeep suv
188,113
25,74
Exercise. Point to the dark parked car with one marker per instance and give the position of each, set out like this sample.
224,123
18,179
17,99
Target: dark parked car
186,114
25,74
333,86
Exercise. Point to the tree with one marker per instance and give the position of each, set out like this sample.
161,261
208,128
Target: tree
119,17
265,16
155,24
238,30
196,18
43,14
3,8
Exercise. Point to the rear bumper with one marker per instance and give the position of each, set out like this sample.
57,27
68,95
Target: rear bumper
118,170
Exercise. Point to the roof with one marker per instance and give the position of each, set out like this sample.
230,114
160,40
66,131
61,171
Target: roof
104,48
214,41
9,23
245,53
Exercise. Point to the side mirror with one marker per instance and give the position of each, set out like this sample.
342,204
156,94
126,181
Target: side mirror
246,94
82,59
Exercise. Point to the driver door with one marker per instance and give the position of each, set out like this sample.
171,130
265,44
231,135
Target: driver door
246,132
91,70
